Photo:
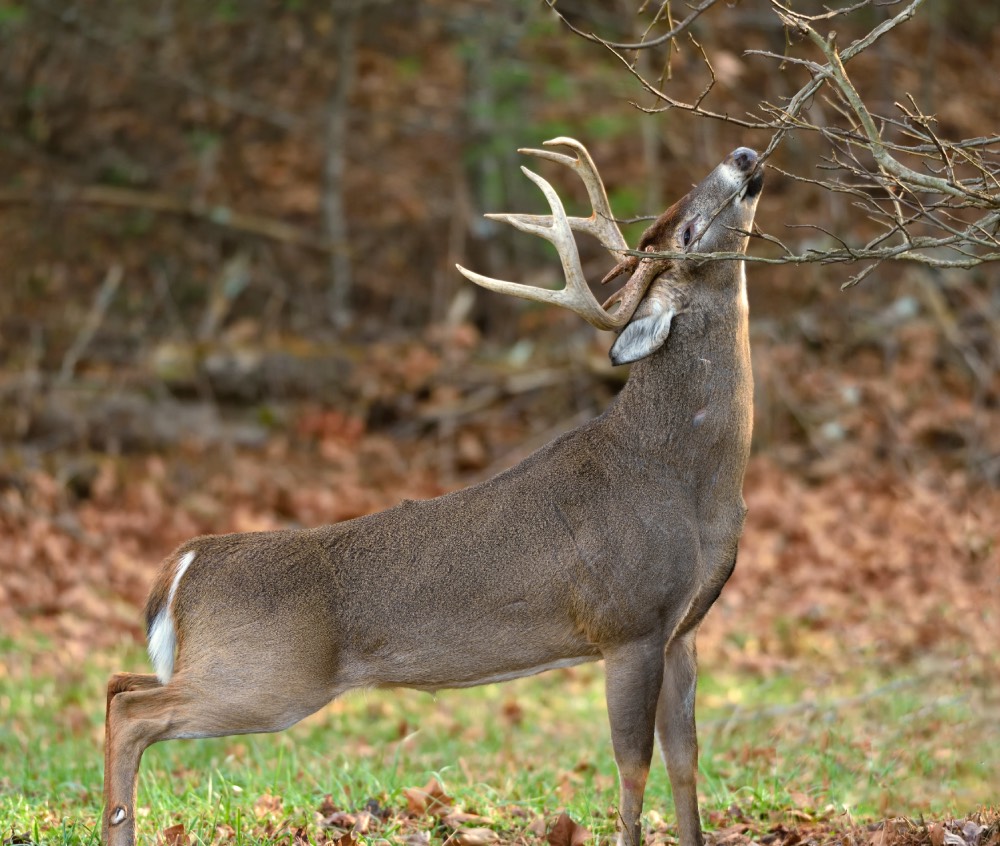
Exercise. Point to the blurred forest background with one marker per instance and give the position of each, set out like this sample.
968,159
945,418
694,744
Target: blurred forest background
228,302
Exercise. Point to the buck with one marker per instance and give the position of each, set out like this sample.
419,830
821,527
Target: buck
610,543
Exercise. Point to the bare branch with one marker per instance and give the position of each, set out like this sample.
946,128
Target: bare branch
219,215
915,195
674,31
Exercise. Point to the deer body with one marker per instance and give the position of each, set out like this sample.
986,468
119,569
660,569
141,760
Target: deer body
541,552
611,542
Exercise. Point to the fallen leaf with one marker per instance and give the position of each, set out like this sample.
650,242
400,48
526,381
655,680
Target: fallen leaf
731,835
363,822
456,819
537,827
567,833
224,833
972,831
267,804
339,819
327,808
512,712
878,837
936,833
779,834
429,799
474,836
175,836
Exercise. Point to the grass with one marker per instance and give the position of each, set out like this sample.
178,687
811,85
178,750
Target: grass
821,744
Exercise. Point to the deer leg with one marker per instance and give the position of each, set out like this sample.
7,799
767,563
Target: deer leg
675,727
633,674
120,771
142,712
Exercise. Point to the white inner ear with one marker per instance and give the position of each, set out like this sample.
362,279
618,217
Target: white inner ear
643,335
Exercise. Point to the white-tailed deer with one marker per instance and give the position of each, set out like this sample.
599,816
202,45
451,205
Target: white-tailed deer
610,543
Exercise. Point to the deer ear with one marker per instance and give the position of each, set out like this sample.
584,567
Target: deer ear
643,335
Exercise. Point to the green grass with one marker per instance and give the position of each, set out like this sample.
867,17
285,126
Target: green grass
914,744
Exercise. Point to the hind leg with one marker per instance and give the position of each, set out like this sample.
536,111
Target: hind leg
142,712
119,786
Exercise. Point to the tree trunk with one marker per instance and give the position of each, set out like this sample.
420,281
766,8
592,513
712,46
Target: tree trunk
346,13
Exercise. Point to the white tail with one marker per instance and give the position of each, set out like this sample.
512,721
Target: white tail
162,638
610,543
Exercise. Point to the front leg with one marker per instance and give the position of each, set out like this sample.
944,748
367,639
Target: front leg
633,676
675,727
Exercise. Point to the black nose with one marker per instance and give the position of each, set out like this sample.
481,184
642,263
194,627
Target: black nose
744,158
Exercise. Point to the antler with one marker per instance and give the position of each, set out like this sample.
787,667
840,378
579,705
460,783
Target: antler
601,223
557,229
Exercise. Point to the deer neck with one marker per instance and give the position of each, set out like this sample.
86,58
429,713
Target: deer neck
687,409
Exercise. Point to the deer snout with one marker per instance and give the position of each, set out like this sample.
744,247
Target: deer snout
746,163
744,158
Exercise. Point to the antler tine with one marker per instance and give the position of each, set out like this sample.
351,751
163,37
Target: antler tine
576,296
557,229
601,223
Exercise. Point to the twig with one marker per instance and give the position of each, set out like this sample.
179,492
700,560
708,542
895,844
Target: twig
112,279
335,165
679,29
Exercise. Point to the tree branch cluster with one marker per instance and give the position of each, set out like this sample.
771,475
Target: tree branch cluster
924,198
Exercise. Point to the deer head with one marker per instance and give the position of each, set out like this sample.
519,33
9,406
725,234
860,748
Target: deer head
714,216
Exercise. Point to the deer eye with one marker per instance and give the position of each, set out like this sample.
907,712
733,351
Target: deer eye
687,235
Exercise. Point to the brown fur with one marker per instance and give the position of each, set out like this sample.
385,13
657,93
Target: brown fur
655,235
